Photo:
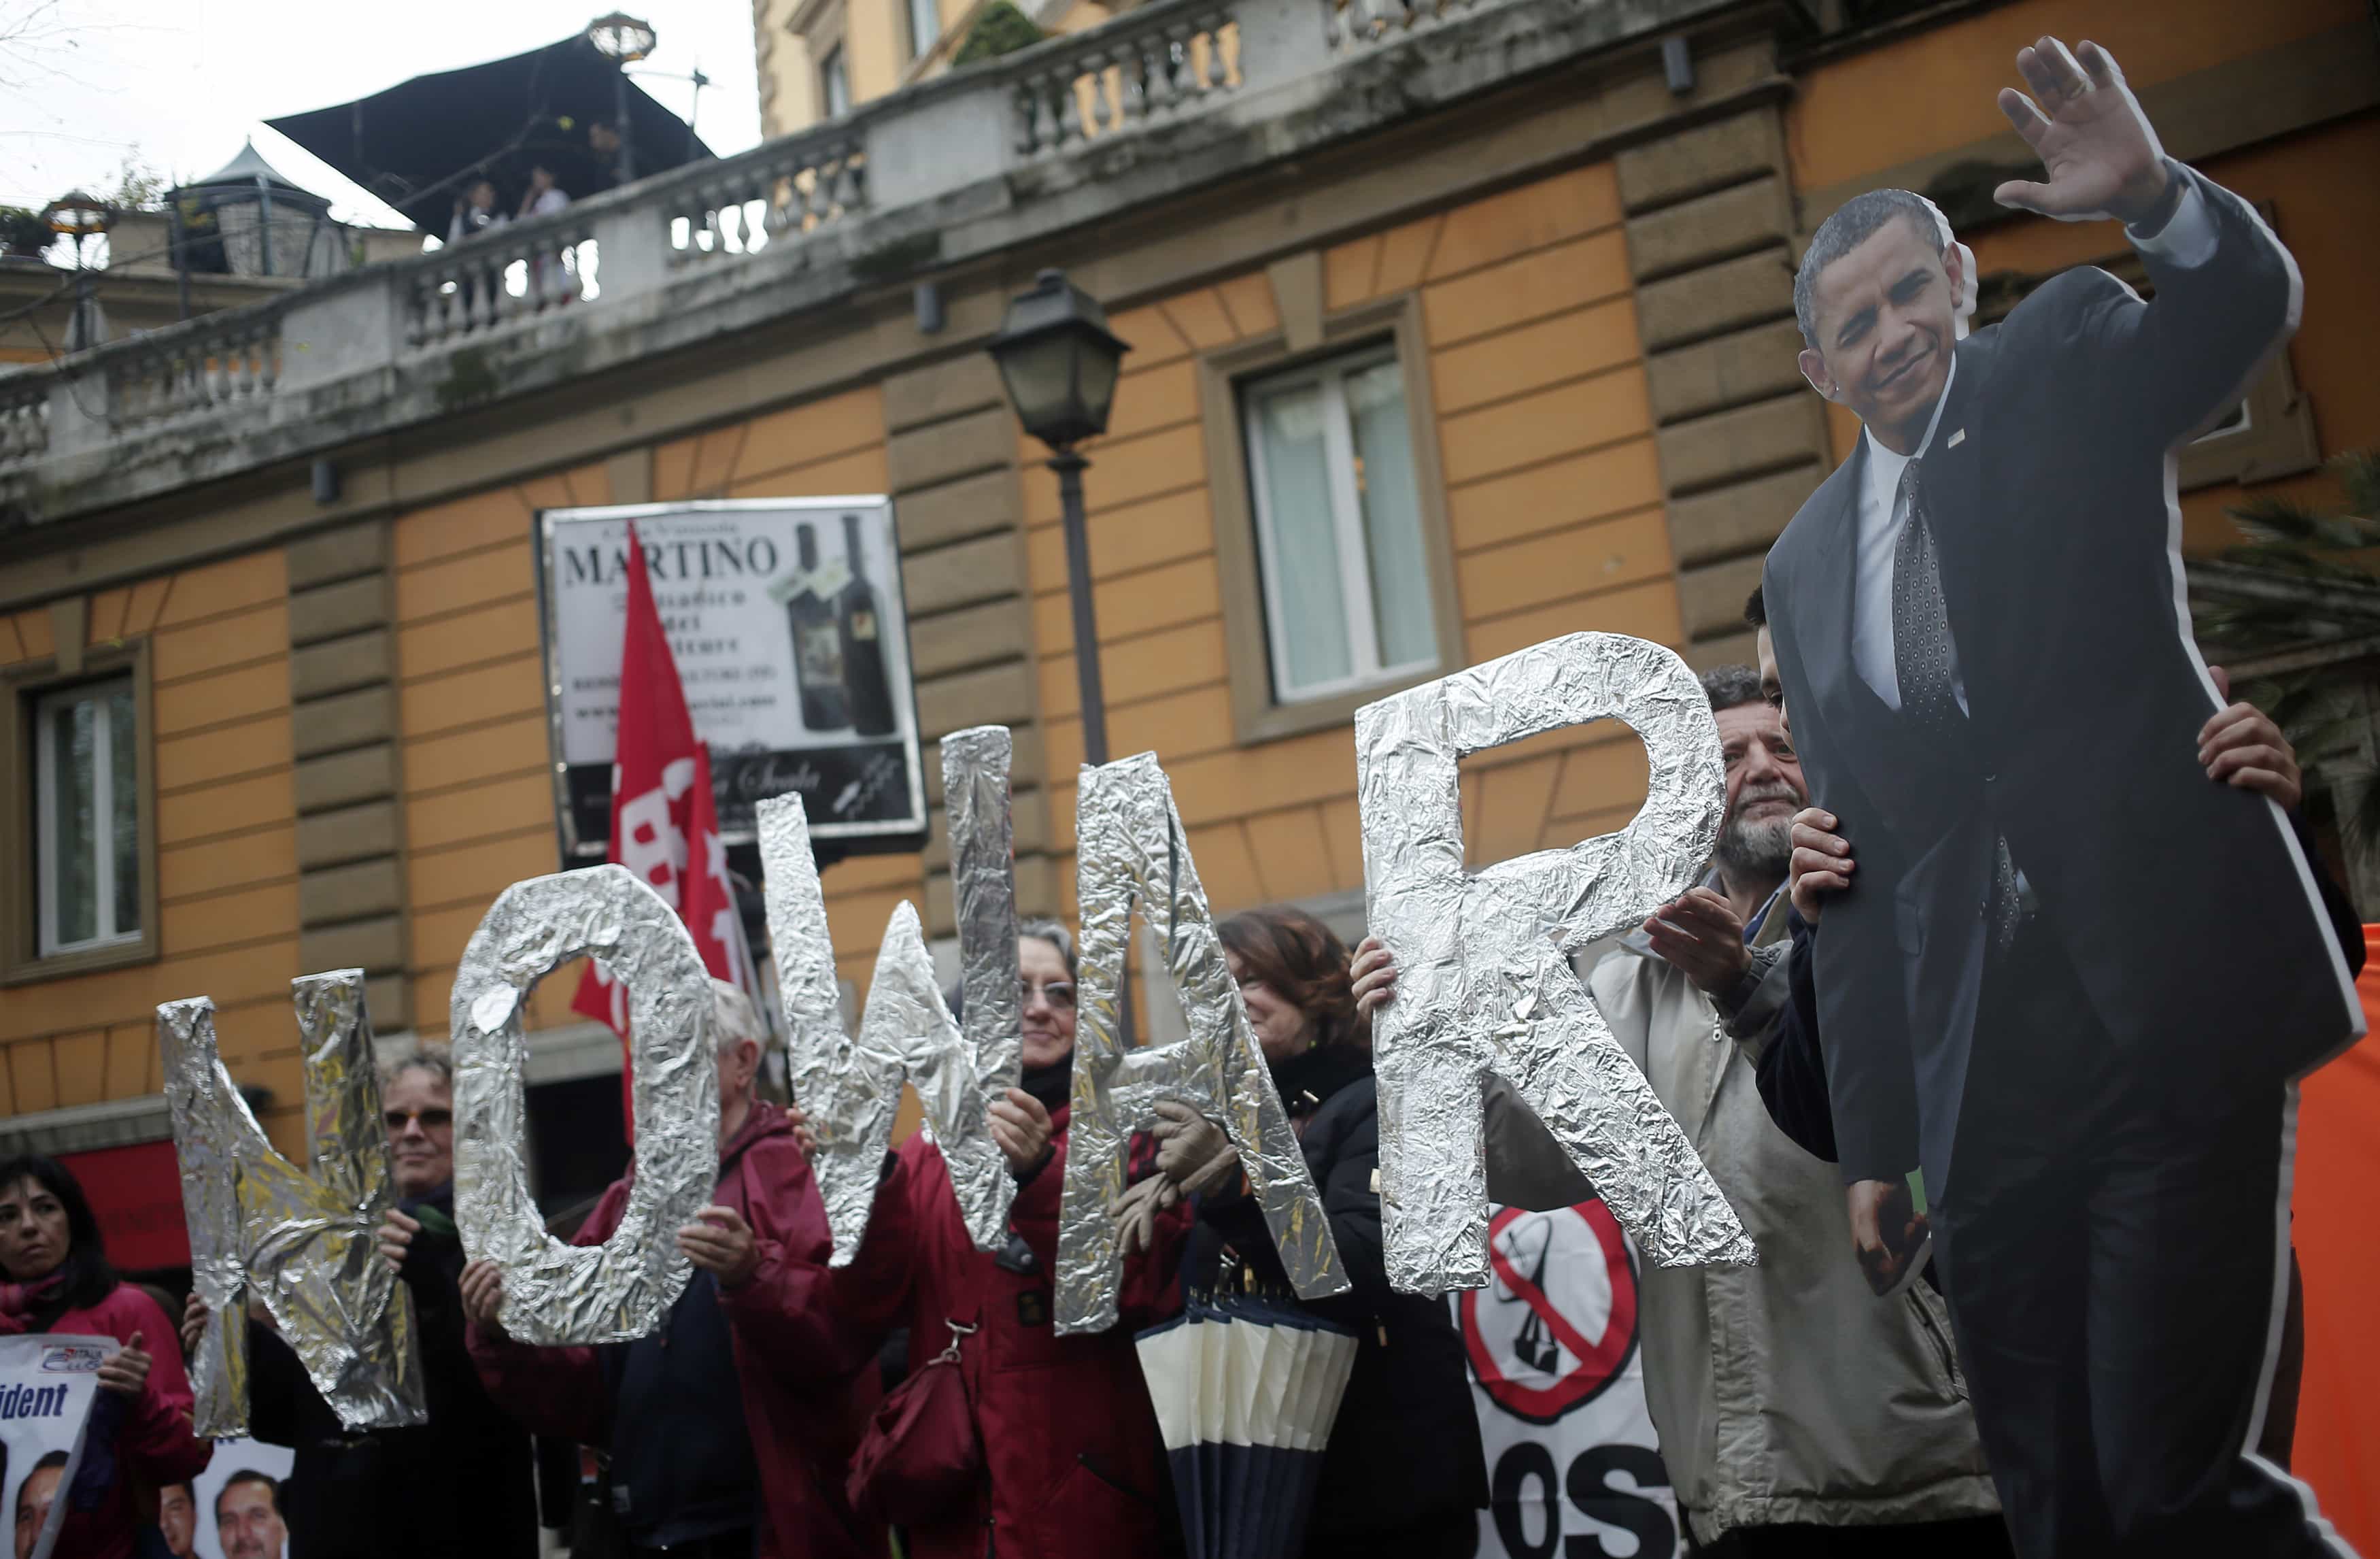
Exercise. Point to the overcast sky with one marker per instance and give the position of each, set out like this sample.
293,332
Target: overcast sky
180,84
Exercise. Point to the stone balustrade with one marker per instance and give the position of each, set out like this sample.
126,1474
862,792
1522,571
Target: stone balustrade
1357,24
786,189
217,362
1146,64
1012,150
500,277
24,418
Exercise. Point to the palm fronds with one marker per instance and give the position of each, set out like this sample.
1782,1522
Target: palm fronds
2296,595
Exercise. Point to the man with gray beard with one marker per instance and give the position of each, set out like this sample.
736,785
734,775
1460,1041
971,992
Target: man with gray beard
1799,1412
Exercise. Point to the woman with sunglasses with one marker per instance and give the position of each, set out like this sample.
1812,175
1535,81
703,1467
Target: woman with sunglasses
57,1279
1071,1467
459,1485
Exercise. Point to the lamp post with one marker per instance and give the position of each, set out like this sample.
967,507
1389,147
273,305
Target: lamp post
1059,361
79,217
623,40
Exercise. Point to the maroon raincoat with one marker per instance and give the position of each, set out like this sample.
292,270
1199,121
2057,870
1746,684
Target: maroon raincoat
805,1340
1076,1469
154,1445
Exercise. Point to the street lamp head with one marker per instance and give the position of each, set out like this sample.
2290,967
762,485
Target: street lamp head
1059,360
79,215
622,37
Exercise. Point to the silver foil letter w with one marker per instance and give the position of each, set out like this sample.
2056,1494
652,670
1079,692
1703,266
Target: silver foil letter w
849,1085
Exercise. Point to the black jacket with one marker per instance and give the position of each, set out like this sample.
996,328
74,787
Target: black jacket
2048,487
1405,1448
459,1486
1792,1065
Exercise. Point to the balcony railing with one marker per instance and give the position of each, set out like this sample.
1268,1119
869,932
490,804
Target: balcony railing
1033,137
24,418
1144,64
219,360
505,276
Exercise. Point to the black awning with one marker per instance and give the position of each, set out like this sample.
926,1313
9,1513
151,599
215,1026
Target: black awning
419,143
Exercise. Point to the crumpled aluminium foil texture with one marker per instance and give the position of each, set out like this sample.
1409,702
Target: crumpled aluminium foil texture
556,1294
1484,976
983,893
1129,848
303,1242
850,1086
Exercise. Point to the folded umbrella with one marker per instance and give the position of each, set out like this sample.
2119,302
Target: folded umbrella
1245,1387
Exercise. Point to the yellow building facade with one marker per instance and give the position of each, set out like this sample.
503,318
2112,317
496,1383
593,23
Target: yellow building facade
1561,297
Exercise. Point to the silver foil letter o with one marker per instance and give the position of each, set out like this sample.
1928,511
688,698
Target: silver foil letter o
301,1242
557,1294
1484,977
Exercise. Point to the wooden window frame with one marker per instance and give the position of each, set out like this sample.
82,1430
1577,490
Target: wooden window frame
920,46
1257,716
833,56
20,957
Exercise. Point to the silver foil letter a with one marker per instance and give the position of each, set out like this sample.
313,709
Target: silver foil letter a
850,1087
1129,848
1484,977
302,1243
616,1292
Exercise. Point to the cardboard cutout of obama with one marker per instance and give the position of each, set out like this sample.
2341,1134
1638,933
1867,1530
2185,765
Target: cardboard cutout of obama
2079,957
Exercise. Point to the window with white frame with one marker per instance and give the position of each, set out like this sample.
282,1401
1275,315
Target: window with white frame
1338,519
925,26
835,83
86,792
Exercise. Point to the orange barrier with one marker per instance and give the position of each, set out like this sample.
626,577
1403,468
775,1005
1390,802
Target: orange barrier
2338,1251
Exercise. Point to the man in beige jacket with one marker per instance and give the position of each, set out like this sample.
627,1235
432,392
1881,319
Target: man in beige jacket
1798,1412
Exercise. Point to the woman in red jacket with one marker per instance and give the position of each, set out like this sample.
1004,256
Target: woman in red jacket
59,1280
1073,1467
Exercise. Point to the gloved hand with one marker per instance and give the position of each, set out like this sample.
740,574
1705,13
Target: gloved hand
1193,1152
1136,1212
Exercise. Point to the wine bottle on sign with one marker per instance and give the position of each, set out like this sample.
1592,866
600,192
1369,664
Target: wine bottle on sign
817,647
867,689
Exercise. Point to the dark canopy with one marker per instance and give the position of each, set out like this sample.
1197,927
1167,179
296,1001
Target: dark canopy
418,145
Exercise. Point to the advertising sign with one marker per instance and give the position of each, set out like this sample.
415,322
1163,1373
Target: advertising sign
785,618
1573,1468
47,1386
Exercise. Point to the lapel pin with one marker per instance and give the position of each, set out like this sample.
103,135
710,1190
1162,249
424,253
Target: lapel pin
1956,438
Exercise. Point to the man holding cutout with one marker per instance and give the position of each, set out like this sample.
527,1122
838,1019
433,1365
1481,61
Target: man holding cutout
1979,634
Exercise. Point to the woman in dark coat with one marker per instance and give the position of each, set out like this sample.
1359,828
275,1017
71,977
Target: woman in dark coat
459,1486
1404,1472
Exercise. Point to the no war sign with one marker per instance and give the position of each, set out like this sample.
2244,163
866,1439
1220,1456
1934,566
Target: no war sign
1559,1384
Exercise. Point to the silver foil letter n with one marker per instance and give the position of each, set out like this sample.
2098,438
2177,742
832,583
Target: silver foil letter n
1484,976
850,1086
616,1292
1129,849
301,1242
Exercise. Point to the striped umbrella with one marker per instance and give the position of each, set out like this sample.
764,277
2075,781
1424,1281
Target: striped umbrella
1246,1387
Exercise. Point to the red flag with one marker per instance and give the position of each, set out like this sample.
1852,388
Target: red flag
661,804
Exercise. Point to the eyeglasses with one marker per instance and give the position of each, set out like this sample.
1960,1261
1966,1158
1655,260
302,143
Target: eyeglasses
1059,993
432,1119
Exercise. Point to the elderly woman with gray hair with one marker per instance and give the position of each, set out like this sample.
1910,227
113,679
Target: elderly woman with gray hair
461,1484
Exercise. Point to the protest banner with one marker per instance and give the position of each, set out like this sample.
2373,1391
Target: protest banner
49,1388
1559,1383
